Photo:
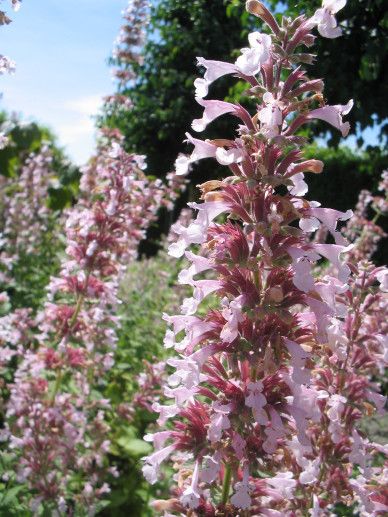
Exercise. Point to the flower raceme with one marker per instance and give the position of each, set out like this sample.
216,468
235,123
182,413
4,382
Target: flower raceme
25,212
130,40
55,421
270,383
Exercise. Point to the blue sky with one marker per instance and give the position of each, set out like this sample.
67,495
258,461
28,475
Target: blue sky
61,49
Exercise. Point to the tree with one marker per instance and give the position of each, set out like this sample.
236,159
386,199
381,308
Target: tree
25,138
163,93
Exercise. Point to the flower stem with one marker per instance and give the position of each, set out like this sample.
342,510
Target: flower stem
226,485
76,311
57,385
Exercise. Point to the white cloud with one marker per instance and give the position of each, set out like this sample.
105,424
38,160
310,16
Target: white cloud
76,128
88,105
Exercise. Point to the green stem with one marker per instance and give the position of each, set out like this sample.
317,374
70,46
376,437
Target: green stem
77,311
226,485
72,321
57,385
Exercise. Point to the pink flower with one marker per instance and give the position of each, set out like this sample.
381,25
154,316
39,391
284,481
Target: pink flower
271,115
241,498
333,116
213,110
325,19
218,422
152,463
214,70
256,400
251,59
283,483
190,496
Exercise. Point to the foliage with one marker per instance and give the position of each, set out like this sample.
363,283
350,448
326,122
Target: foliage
26,138
32,271
163,92
147,290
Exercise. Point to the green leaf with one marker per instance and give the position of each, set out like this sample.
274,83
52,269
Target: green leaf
10,496
134,447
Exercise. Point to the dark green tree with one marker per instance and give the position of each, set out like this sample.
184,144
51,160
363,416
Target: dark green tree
25,138
163,93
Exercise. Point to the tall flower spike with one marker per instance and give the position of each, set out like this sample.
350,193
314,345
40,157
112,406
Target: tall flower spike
56,425
271,380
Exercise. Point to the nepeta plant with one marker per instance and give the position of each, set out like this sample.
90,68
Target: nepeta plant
27,224
130,40
365,233
56,417
25,212
270,384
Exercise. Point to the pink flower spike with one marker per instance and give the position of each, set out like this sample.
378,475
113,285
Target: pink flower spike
333,116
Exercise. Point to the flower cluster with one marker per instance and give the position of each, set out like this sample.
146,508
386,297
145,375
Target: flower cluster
25,213
130,40
56,422
271,381
6,64
148,383
364,232
25,216
15,335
